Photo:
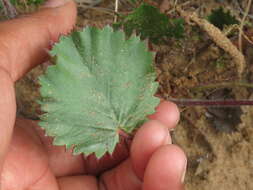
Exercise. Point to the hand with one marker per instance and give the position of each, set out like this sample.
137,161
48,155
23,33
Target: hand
29,161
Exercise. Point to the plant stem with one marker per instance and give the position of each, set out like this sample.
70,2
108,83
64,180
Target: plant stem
192,102
218,37
242,24
124,134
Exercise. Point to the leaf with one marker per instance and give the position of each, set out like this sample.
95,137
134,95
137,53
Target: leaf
14,2
27,2
148,22
101,84
177,29
220,18
35,2
132,1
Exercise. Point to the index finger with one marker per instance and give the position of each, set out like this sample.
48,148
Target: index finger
167,113
22,46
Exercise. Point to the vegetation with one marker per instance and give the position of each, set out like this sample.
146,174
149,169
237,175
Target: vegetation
221,18
149,23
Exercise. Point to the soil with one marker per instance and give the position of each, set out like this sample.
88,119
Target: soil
217,140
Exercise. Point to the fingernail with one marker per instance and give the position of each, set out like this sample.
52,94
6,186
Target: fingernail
184,172
55,3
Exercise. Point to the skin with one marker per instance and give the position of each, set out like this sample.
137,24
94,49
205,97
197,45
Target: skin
29,161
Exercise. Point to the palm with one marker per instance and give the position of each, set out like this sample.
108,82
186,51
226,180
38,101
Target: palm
37,159
26,160
33,162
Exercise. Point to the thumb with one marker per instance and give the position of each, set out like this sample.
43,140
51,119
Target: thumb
23,40
22,46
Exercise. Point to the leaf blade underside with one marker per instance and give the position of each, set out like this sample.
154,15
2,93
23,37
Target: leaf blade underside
100,84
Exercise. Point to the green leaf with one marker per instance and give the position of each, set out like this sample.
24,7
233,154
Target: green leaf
177,28
35,2
148,22
100,85
132,1
14,2
220,18
27,2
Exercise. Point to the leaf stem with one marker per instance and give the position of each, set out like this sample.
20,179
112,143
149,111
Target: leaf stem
124,134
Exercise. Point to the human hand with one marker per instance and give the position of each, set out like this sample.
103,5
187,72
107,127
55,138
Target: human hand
29,161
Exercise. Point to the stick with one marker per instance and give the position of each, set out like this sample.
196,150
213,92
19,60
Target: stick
218,37
116,10
242,24
240,9
9,9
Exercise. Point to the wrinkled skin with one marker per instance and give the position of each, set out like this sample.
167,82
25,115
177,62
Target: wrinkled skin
28,160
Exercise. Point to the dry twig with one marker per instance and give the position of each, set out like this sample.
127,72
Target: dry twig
9,9
116,10
240,9
218,37
242,24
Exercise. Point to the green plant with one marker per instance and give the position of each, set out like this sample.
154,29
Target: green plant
220,63
148,22
27,2
132,1
220,18
35,2
101,86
